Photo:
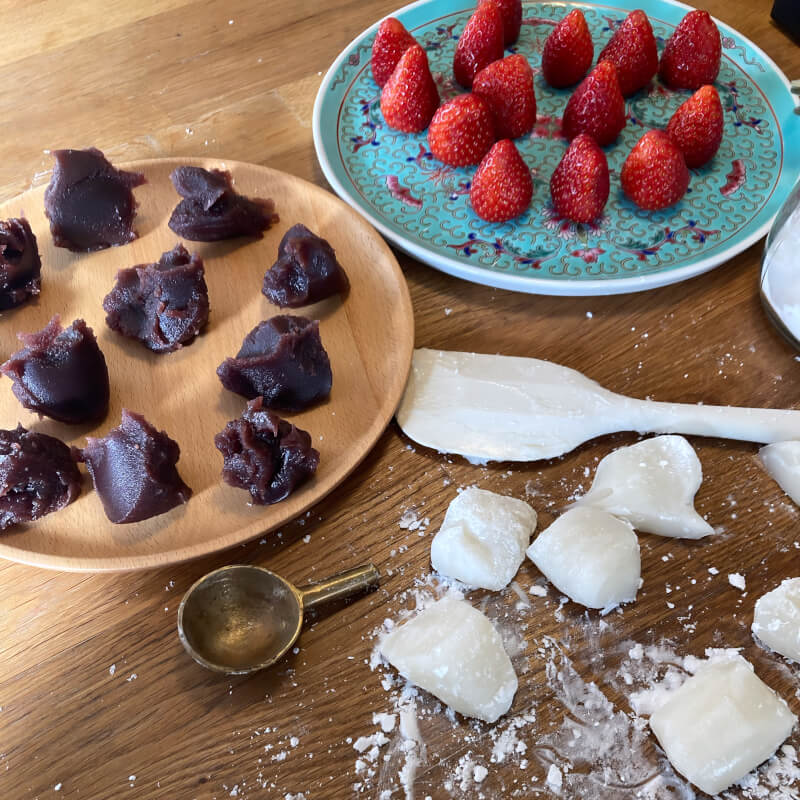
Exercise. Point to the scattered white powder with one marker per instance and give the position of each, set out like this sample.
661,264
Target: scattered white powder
386,721
57,787
736,580
479,773
537,590
410,521
554,777
133,677
112,669
713,571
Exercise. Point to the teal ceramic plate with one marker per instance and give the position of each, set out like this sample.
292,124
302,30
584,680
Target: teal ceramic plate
423,206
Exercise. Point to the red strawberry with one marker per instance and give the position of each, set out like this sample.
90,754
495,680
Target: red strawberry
461,131
480,43
511,12
654,174
696,126
410,97
502,187
579,186
596,106
391,41
568,51
692,54
632,50
507,87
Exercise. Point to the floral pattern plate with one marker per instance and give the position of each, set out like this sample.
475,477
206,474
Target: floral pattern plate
422,206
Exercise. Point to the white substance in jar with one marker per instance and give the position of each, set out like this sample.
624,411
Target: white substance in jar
782,462
776,620
779,283
591,556
454,652
483,538
651,484
721,723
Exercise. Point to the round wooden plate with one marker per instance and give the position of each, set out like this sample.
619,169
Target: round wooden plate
369,336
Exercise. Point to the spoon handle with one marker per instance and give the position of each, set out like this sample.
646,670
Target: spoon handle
342,585
763,425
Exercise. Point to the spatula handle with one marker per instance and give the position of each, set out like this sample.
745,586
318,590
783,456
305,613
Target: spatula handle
727,422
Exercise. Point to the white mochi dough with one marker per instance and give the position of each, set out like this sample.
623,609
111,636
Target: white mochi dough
591,556
452,650
483,538
651,484
776,620
782,462
722,723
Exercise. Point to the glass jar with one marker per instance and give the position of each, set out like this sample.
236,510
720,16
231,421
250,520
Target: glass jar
780,269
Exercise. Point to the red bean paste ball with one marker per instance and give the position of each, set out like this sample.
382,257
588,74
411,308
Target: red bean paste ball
20,265
37,476
163,305
90,203
266,455
306,270
212,210
283,361
133,469
61,373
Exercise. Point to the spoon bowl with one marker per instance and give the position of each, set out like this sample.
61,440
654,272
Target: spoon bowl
240,619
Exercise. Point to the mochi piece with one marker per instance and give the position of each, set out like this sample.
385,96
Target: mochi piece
483,538
776,620
722,723
651,484
454,652
591,556
782,462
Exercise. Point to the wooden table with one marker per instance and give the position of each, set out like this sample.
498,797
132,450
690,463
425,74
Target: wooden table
99,699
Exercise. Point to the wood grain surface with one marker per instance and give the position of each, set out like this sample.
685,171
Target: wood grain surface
98,698
368,336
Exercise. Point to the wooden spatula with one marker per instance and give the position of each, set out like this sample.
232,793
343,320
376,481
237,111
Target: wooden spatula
501,408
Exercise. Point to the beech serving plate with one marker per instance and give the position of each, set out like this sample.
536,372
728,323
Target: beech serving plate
368,335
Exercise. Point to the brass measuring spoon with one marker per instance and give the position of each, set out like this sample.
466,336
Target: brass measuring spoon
240,619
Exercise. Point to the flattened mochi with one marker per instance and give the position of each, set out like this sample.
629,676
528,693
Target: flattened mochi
89,203
212,210
306,270
37,476
452,651
721,723
266,455
483,538
20,265
134,472
283,361
163,305
782,462
776,620
61,374
591,556
651,484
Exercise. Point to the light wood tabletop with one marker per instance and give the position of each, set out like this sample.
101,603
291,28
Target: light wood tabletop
98,699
